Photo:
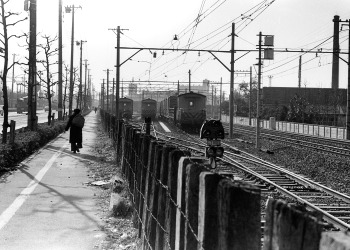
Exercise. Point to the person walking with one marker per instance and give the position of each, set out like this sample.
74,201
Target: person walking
76,124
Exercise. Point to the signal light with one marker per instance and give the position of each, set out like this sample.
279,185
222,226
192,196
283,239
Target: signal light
219,152
214,152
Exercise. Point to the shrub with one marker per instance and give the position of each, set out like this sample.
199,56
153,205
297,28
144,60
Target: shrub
26,143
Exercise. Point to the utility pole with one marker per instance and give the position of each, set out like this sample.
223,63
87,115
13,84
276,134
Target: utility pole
113,96
107,92
60,61
80,94
336,50
232,70
117,75
13,79
85,89
268,55
220,101
258,96
32,118
299,73
189,81
250,95
71,73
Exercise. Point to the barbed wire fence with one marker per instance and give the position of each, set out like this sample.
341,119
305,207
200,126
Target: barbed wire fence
179,202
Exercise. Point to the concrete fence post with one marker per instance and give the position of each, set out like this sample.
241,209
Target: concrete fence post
181,199
145,147
193,171
208,211
170,203
163,192
151,223
290,227
239,216
12,131
148,182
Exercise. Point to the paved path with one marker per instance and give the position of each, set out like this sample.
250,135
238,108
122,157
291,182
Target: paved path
46,204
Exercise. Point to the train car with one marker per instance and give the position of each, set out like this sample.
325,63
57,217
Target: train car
148,108
191,111
125,108
167,108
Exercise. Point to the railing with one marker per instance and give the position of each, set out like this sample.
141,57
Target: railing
293,127
180,203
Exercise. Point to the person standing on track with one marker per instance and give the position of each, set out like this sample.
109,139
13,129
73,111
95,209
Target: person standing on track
76,124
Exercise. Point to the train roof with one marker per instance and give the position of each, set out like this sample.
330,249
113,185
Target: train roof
125,99
148,100
192,93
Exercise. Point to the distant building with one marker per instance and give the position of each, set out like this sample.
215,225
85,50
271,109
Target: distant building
329,102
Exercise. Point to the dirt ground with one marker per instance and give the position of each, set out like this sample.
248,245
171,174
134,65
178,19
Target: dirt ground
119,230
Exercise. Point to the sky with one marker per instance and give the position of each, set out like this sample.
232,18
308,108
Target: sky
199,25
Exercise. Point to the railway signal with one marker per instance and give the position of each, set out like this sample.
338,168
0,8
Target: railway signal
213,131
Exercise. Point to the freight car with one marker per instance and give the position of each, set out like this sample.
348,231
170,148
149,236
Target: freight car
167,108
125,108
191,111
148,108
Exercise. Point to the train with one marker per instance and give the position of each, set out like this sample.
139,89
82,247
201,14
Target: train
148,108
125,108
168,108
188,112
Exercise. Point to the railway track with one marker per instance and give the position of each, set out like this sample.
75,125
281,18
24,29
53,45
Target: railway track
333,206
329,146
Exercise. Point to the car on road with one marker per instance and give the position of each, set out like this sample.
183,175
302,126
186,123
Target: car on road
46,108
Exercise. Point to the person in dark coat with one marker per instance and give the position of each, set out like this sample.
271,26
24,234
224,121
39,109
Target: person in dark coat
76,133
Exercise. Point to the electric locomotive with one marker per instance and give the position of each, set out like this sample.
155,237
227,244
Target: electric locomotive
125,108
148,108
191,111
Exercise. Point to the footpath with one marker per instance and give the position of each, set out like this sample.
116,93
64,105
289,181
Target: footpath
46,204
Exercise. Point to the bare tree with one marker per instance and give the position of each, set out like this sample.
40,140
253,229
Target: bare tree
49,52
6,23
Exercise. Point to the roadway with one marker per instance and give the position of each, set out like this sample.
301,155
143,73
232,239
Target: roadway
22,119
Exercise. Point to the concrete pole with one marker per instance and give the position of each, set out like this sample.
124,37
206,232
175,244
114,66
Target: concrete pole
60,62
189,81
335,64
117,75
348,102
258,97
71,72
231,108
250,96
32,68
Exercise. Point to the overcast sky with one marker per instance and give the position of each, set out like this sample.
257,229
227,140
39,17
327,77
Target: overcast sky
295,24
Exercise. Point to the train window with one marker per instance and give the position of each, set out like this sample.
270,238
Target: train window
191,104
